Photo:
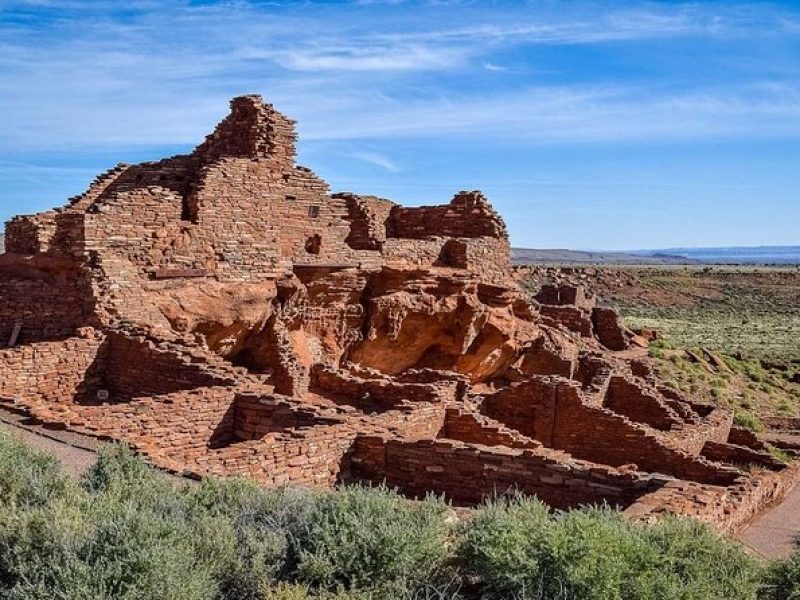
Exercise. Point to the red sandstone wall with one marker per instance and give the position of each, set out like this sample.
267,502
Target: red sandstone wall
553,413
50,371
380,394
475,428
468,215
467,473
49,305
138,367
629,399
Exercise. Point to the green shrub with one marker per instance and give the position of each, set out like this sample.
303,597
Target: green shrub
128,532
591,554
782,579
362,538
93,549
748,421
267,524
682,559
28,478
517,551
503,544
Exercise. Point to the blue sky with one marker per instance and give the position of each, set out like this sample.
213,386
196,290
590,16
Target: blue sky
603,125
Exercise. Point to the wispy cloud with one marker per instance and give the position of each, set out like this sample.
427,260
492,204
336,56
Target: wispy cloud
378,160
85,76
373,58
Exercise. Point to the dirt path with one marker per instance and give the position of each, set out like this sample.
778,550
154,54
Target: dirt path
771,534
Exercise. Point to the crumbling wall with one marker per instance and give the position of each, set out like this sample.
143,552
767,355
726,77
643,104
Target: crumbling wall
468,473
640,405
255,416
474,428
552,412
609,329
376,394
468,215
367,216
51,372
139,367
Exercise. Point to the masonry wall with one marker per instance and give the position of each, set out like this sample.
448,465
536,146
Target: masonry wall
48,372
468,474
318,457
138,367
255,416
380,394
49,305
474,428
554,414
629,399
571,317
468,215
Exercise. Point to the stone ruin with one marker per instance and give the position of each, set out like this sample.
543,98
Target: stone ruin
224,314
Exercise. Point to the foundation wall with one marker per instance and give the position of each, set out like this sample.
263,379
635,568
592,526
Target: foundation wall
138,367
468,474
553,413
51,371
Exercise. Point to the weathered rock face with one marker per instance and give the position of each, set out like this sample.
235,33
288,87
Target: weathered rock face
420,319
223,313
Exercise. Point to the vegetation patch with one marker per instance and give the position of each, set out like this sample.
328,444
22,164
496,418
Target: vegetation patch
126,531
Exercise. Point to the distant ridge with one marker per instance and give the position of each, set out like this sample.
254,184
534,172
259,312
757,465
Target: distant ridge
734,255
523,256
748,255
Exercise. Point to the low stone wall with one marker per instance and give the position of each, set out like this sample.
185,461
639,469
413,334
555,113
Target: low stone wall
475,428
137,366
631,400
571,317
255,416
740,455
551,411
51,371
380,394
727,509
469,473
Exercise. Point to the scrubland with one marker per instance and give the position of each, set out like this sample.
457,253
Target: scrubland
125,531
728,334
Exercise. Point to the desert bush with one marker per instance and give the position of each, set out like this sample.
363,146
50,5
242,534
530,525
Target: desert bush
782,579
268,526
591,554
28,478
748,421
128,532
371,538
516,550
88,548
503,545
682,559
